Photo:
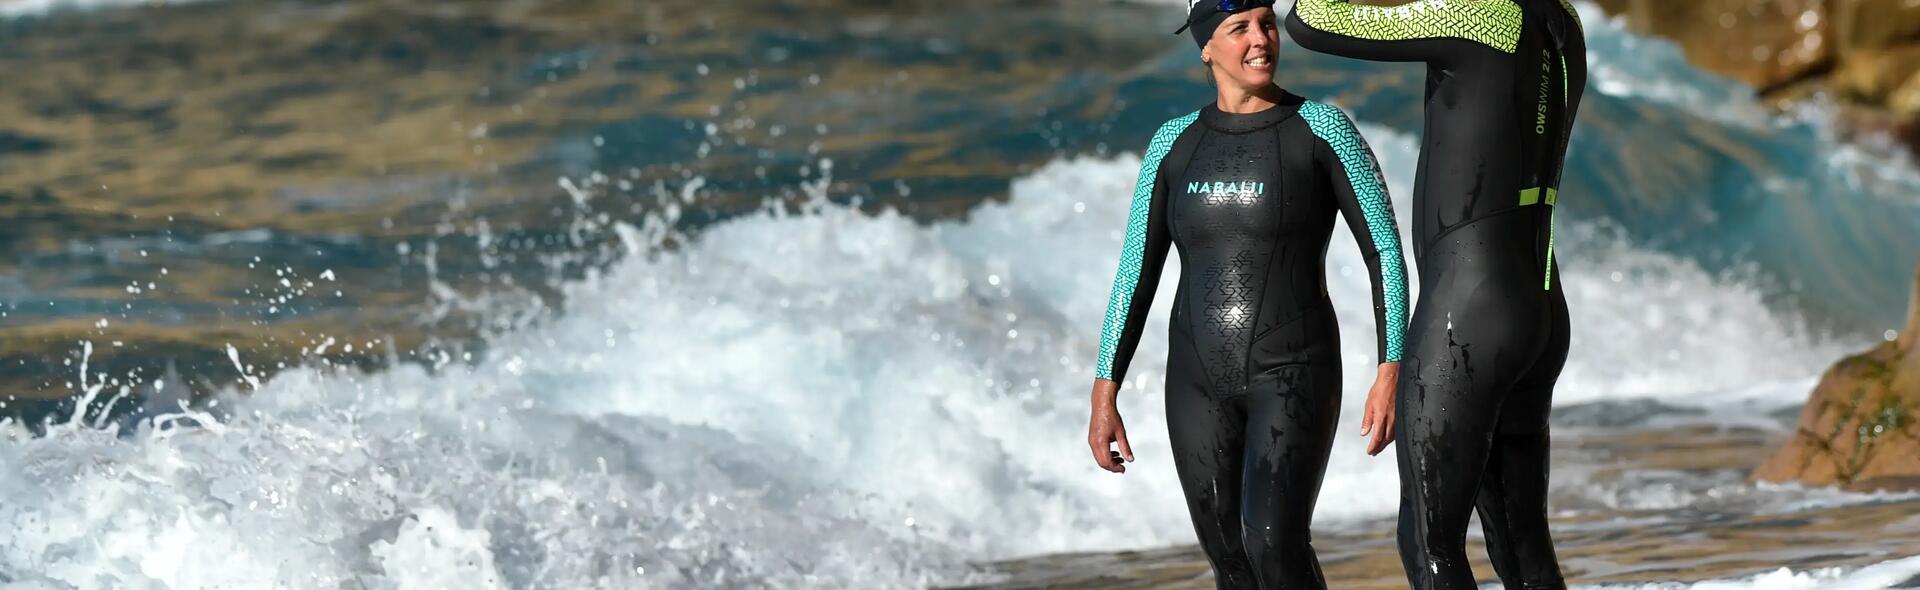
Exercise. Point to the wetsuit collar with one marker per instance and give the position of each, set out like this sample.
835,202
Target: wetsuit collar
1225,122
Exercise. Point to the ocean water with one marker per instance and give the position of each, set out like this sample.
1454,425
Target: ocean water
825,392
30,8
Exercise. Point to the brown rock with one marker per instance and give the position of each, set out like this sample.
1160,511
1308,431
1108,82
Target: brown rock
1765,43
1905,100
1866,53
1873,24
1910,338
1861,428
1873,75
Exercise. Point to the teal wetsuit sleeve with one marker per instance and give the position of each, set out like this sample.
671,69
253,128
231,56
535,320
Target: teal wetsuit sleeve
1426,30
1362,195
1141,258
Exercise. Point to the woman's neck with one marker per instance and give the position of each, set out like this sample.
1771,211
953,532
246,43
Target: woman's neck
1248,100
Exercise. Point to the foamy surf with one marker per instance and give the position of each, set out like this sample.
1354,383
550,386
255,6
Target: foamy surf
818,400
789,400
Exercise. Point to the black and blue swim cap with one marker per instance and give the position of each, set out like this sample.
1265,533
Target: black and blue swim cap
1203,16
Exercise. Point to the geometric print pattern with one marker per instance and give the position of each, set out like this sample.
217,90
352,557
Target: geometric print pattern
1370,189
1228,305
1133,254
1494,23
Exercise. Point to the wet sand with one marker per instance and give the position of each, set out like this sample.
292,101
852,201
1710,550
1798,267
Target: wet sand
1595,545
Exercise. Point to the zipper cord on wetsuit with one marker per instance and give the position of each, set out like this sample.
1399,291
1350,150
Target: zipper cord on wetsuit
1550,181
1566,105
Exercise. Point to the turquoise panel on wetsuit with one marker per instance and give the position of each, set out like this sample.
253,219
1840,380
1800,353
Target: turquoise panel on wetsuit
1127,278
1370,188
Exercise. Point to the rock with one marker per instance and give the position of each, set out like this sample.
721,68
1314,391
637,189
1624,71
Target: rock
1910,337
1861,428
1765,43
1873,24
1905,101
1873,76
1865,53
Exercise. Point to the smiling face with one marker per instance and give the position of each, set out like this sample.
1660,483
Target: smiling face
1241,50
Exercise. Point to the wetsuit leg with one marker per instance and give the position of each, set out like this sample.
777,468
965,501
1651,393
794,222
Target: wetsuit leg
1290,426
1444,421
1250,464
1480,363
1208,432
1513,492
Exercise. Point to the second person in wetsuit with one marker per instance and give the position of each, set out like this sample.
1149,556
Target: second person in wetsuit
1247,190
1504,79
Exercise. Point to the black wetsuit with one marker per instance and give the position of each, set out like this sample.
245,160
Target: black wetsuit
1489,337
1253,374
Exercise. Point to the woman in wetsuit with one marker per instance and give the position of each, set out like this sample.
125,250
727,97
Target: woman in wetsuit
1504,79
1247,189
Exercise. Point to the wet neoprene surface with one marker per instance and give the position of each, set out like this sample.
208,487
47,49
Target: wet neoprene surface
1253,369
1489,336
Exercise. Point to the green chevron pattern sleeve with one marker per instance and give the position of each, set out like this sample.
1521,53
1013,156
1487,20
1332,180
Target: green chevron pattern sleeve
1394,32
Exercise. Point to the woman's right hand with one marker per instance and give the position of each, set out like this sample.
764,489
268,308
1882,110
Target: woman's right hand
1105,429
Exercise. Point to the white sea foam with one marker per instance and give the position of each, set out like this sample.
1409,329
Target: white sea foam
787,400
832,399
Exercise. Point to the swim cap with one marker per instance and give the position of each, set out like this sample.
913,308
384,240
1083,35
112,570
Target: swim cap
1203,16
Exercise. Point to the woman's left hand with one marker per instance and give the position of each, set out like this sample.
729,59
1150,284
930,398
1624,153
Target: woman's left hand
1378,419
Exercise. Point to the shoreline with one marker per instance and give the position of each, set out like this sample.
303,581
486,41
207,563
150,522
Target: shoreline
1596,545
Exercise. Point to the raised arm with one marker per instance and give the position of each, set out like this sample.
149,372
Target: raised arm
1427,30
1141,258
1362,195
